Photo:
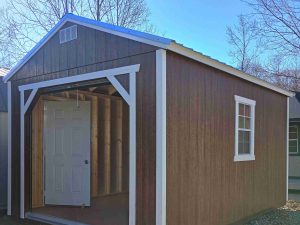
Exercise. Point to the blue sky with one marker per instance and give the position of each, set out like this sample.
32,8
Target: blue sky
199,24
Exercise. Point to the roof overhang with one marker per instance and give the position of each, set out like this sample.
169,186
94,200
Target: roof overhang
150,39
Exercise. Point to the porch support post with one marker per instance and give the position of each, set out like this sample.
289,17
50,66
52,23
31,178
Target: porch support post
161,138
132,149
23,108
22,142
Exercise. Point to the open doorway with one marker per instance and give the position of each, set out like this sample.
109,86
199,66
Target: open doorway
80,156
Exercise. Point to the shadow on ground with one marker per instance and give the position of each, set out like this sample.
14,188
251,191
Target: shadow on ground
8,220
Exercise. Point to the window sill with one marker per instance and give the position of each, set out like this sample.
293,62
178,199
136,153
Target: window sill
238,158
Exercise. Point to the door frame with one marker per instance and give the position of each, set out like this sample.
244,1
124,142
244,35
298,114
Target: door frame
129,97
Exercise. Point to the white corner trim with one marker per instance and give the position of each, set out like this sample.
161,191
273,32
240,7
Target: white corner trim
131,100
132,151
161,145
244,157
174,47
287,146
9,143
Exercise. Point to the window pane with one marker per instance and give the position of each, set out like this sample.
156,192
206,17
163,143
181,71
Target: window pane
247,123
247,110
246,148
241,122
293,143
293,136
293,149
241,109
241,136
293,129
246,136
244,142
241,148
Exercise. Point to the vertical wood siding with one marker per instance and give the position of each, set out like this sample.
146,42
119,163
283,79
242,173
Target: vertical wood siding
204,184
92,51
3,159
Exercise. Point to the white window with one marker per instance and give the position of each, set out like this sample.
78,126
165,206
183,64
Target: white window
244,129
293,139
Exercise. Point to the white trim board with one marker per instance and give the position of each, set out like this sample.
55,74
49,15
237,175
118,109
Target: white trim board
161,137
9,143
146,38
287,146
131,100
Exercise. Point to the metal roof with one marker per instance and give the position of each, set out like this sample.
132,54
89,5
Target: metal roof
161,42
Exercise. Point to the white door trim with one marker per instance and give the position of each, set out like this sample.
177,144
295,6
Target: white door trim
131,70
161,137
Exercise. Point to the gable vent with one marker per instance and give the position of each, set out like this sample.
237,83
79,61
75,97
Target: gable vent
68,34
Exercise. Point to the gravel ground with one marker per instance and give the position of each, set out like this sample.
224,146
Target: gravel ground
287,215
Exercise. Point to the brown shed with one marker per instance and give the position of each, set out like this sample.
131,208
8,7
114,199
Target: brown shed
109,125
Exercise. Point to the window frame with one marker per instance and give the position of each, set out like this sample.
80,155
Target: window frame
251,156
294,153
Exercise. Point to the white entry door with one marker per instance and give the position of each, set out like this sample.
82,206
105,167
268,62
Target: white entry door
67,153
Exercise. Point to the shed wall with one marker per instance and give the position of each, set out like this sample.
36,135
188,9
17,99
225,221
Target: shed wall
3,159
94,51
204,184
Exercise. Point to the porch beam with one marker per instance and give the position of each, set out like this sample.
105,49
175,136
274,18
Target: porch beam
83,77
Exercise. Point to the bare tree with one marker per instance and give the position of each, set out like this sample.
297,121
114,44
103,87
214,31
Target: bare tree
244,42
276,35
24,22
279,24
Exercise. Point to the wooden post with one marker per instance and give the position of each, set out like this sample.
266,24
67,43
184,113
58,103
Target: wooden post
119,150
94,146
107,145
37,154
